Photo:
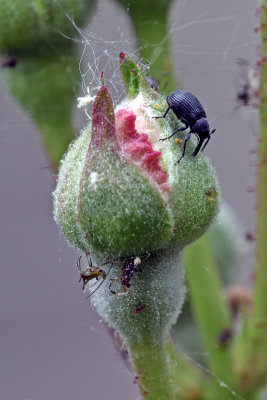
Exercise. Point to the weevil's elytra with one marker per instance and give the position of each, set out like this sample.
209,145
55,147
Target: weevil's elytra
190,112
185,106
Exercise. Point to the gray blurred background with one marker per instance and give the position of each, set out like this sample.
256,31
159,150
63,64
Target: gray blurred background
52,344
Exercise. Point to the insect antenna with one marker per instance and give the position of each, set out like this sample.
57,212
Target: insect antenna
79,263
89,261
91,294
79,267
96,282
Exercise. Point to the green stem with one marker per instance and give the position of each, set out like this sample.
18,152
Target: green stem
259,321
187,376
153,372
45,86
159,290
208,306
251,352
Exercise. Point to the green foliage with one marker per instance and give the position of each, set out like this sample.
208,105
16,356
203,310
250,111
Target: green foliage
150,22
37,35
46,86
40,25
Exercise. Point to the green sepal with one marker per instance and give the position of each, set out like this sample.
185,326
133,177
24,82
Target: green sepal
66,193
120,212
192,208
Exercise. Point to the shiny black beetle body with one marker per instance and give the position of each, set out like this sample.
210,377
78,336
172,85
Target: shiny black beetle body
190,112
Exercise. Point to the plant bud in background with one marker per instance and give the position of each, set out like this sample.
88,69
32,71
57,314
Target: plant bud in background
32,26
40,63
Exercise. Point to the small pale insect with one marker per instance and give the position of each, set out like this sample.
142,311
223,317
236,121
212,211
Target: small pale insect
92,272
211,194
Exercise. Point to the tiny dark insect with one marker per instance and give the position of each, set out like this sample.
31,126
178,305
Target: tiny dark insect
137,377
9,62
225,336
243,95
250,236
248,91
152,83
130,266
190,112
139,309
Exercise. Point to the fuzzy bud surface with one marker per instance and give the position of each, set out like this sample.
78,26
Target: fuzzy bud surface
119,191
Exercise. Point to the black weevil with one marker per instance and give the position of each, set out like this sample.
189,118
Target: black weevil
190,112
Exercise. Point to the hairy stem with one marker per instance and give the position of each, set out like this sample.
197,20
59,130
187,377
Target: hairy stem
260,285
158,292
251,361
153,372
209,309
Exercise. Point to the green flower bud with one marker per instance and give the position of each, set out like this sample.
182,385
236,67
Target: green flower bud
129,197
114,206
121,196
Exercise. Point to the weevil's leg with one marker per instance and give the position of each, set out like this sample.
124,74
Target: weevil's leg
198,147
177,130
207,141
164,115
188,135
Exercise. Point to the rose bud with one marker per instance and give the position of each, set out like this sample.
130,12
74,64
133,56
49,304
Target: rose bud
121,197
119,190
